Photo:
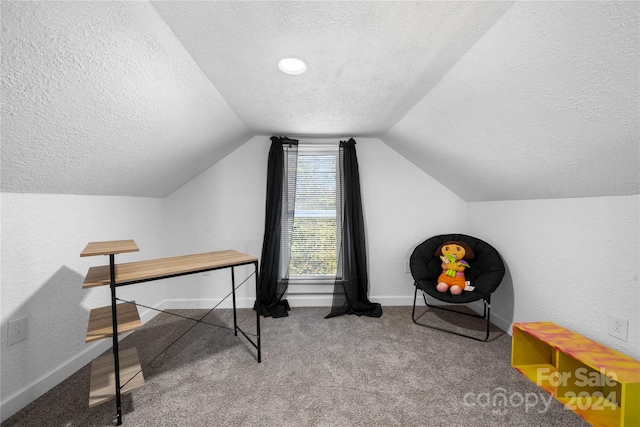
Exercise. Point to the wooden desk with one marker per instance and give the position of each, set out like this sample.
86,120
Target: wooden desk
109,321
162,268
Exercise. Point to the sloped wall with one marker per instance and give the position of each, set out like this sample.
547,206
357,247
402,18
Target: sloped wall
224,208
42,276
544,105
570,261
106,93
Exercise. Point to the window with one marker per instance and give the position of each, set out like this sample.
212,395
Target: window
314,239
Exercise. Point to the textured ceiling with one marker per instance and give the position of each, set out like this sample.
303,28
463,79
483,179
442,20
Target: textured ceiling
496,100
369,62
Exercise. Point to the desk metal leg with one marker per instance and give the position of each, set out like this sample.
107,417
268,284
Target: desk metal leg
116,354
233,292
236,328
258,311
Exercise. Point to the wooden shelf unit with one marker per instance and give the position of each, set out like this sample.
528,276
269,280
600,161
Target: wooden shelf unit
109,322
600,384
117,318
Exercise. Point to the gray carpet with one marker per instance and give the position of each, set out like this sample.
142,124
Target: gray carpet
344,371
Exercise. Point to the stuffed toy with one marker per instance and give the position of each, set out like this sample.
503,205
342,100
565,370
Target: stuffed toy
453,254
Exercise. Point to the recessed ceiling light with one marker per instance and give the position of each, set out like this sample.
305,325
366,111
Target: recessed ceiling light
291,65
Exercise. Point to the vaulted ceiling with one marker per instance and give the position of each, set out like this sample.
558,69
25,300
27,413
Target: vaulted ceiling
496,100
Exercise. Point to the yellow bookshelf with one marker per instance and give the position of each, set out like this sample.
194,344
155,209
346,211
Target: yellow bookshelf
600,384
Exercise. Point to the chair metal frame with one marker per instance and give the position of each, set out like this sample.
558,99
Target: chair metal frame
486,314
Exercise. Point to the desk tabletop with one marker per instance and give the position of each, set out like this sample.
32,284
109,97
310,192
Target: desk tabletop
109,248
160,268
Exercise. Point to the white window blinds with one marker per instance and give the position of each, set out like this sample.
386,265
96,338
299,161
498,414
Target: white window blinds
314,247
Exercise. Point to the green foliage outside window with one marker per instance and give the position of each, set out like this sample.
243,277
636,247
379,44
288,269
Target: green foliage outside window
313,249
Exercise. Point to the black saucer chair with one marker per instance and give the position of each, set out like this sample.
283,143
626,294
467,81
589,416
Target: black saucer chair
485,275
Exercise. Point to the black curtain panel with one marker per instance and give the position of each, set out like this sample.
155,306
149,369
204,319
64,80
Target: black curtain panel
351,284
276,246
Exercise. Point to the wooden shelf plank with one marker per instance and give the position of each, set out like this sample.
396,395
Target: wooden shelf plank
101,321
109,247
103,380
165,267
539,374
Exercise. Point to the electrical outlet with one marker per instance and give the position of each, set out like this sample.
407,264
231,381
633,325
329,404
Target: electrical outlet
18,329
618,327
407,267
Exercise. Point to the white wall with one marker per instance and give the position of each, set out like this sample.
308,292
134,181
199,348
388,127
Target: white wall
403,206
569,261
42,276
223,208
